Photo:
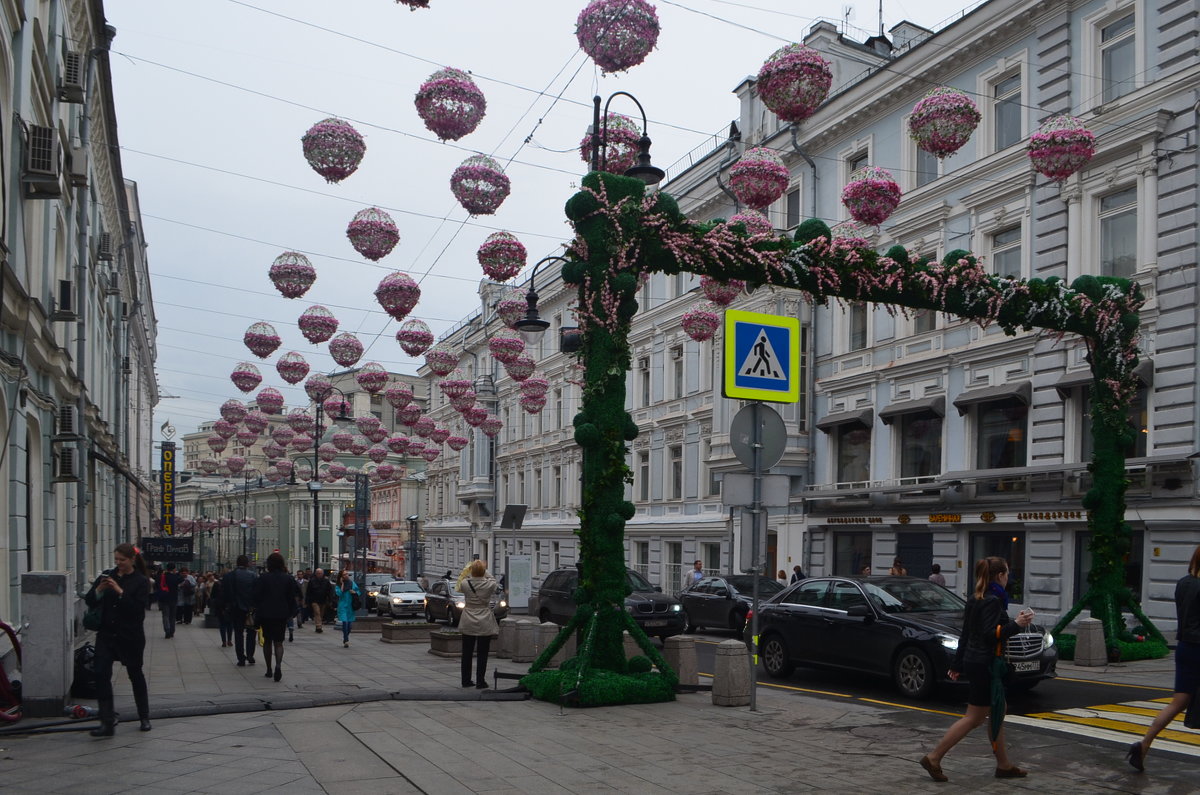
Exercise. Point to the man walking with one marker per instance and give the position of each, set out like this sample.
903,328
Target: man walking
316,596
237,589
797,574
168,599
694,576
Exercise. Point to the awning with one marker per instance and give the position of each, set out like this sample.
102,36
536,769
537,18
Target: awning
1077,378
864,417
1022,391
937,405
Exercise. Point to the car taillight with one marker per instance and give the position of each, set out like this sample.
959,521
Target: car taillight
749,615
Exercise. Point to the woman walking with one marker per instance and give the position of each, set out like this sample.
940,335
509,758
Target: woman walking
122,593
276,600
478,623
1187,660
220,609
986,626
344,590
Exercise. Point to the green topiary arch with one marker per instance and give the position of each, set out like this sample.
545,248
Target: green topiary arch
624,233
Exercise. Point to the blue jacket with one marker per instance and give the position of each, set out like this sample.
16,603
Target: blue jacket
237,589
345,611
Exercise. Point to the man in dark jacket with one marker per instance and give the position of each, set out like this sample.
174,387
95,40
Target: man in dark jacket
168,597
237,590
316,596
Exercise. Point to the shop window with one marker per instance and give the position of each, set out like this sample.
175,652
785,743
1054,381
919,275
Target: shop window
851,553
1008,545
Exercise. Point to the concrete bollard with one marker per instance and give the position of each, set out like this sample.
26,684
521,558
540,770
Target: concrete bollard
525,647
631,647
680,653
1089,643
48,643
566,652
731,677
508,637
547,631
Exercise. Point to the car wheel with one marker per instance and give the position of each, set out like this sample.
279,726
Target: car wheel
775,658
688,626
913,673
452,618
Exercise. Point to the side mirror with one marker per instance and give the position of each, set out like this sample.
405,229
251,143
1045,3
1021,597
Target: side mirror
860,611
658,588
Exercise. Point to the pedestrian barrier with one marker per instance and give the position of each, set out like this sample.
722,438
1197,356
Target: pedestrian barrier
507,638
680,653
731,675
526,647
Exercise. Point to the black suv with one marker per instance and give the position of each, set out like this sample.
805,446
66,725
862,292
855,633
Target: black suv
655,612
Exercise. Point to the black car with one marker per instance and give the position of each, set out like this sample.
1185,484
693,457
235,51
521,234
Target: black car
905,628
444,603
723,602
655,612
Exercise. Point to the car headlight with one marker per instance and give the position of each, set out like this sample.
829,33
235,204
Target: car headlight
949,642
503,603
460,605
1047,640
676,608
628,608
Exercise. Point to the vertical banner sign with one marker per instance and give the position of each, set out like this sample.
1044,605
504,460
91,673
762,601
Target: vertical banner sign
167,488
362,509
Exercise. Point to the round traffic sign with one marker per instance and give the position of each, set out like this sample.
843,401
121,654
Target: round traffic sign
772,435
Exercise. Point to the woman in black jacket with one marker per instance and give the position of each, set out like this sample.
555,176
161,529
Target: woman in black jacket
276,599
122,593
1187,660
986,626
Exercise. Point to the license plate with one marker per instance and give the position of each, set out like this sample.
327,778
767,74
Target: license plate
1031,665
654,623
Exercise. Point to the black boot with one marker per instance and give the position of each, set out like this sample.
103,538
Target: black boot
108,720
145,725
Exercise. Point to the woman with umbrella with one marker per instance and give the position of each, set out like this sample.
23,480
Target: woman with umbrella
986,627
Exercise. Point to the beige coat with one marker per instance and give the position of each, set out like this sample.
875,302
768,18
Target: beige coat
477,617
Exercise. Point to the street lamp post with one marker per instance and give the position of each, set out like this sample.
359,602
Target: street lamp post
314,483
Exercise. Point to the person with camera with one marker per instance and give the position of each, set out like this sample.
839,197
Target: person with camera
122,594
345,590
237,589
318,594
276,600
478,623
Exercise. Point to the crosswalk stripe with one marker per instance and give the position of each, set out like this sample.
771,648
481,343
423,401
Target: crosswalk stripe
1121,737
1117,722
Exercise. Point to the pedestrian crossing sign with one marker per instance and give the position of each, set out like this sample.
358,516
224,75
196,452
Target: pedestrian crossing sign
761,357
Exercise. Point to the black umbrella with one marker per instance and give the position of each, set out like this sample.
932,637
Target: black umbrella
999,700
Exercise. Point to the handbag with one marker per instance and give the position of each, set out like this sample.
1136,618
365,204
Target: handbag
355,601
91,618
262,640
251,619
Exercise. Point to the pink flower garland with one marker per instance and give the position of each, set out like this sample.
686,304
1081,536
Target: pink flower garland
441,360
505,347
501,256
269,400
755,222
758,178
398,395
617,34
345,349
450,104
721,293
414,337
701,322
292,367
794,82
233,411
622,144
943,121
480,185
317,324
372,377
245,376
397,293
373,233
333,148
871,195
1062,146
292,274
261,339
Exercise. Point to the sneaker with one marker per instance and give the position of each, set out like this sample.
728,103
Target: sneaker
345,644
241,663
319,630
249,661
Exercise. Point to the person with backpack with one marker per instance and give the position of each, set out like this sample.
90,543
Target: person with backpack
168,599
317,594
349,601
237,590
187,595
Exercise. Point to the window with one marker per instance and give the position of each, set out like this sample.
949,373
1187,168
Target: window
555,556
714,484
1006,105
1118,57
927,167
1133,562
643,476
791,212
644,378
851,553
920,444
681,280
924,320
1006,252
537,488
1009,545
810,594
853,453
558,488
1000,434
857,327
676,454
1118,233
559,419
855,162
846,595
521,488
641,558
677,371
1137,417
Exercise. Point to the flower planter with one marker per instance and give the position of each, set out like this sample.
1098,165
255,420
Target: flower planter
404,631
445,643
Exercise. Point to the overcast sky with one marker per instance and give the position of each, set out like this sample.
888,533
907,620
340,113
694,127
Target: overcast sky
212,105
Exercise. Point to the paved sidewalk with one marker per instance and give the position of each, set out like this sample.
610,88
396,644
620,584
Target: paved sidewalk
389,718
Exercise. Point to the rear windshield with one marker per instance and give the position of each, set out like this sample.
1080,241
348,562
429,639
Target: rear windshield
912,596
745,584
405,587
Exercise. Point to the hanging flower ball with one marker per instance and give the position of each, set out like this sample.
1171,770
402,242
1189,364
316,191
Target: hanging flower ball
397,293
721,293
233,410
385,471
617,34
847,235
1062,146
208,466
372,377
430,454
272,474
415,447
366,423
377,435
512,307
235,464
871,195
337,470
506,346
454,384
456,442
345,349
520,368
536,384
333,148
274,450
336,406
450,104
943,121
398,444
282,435
491,425
303,470
758,178
247,438
292,274
755,222
285,468
532,404
623,140
317,324
217,443
398,394
794,82
261,339
318,387
424,426
269,400
256,421
342,440
245,376
292,367
359,444
302,442
439,435
414,337
377,453
373,233
409,414
501,256
480,185
701,322
475,416
299,420
464,401
441,360
224,429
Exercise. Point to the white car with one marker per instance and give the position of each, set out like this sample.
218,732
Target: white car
400,598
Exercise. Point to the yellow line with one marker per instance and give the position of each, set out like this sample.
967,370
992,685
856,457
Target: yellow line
907,706
1121,708
1113,684
795,689
1120,726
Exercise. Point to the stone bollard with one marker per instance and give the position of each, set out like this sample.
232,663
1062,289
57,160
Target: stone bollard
1089,643
525,647
731,677
680,653
546,633
631,647
48,643
508,637
566,652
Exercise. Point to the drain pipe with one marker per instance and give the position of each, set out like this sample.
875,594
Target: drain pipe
730,149
810,376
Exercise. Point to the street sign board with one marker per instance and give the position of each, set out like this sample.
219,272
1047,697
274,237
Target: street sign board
772,435
761,357
737,488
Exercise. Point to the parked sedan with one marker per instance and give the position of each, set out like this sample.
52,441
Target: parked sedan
655,612
400,598
444,603
905,628
723,602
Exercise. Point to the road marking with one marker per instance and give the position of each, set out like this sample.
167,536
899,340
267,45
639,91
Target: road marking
795,689
908,706
1116,722
1113,684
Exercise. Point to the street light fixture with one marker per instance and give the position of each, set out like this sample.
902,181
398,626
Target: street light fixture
314,485
531,327
650,174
